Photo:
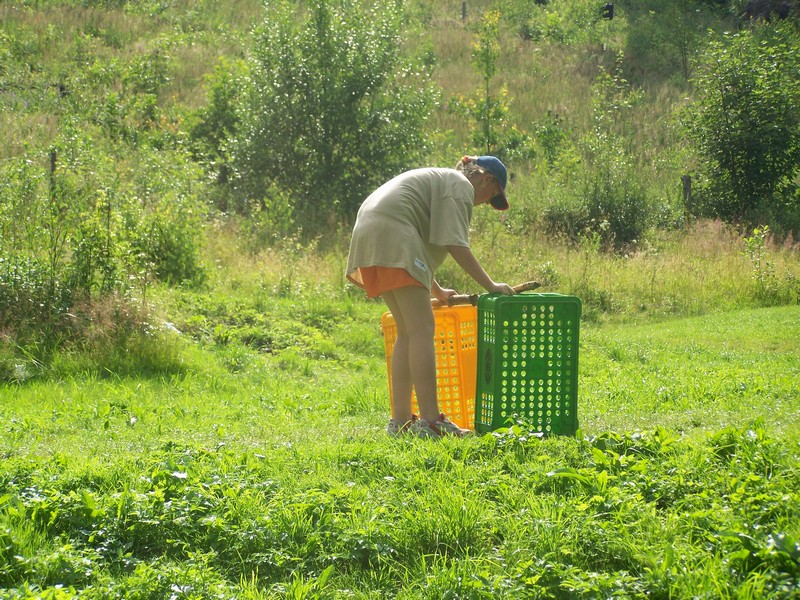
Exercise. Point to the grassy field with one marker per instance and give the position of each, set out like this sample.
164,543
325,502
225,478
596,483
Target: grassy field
245,457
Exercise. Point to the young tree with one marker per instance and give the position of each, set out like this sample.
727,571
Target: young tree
488,108
330,108
485,51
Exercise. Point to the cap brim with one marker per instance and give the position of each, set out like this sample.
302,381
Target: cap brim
499,202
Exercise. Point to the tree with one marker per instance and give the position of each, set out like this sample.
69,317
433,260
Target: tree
745,122
330,109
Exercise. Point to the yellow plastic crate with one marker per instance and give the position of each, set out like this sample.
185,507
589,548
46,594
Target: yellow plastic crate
456,341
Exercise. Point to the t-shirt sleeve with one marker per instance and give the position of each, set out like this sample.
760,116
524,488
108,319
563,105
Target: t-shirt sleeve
450,217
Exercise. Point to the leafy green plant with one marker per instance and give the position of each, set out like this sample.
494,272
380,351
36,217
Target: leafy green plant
271,222
552,136
559,21
36,218
148,73
95,264
763,268
165,220
617,206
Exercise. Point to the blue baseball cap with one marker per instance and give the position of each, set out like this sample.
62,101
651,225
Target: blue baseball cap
498,169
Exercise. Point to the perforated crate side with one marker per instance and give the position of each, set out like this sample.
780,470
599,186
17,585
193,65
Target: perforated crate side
528,355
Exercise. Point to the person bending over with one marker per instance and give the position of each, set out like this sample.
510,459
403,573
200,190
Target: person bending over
403,232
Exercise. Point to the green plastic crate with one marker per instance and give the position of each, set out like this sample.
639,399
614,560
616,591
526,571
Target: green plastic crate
528,362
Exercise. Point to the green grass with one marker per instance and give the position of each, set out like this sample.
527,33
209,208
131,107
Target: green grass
697,374
245,456
258,470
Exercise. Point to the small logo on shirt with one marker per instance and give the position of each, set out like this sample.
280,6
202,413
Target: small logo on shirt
420,264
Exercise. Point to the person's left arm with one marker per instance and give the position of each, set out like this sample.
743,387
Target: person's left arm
467,261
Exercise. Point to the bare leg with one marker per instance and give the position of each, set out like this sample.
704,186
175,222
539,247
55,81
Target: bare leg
414,356
401,370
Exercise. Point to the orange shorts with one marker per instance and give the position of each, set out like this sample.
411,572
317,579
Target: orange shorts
377,280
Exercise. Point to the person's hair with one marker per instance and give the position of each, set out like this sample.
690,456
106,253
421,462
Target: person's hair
469,167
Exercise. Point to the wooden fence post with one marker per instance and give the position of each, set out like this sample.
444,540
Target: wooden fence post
688,209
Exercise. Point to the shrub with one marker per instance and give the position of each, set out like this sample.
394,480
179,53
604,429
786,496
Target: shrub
745,128
36,215
97,247
165,220
606,198
666,37
30,297
616,202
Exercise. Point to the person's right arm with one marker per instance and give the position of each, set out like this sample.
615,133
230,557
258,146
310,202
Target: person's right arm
467,261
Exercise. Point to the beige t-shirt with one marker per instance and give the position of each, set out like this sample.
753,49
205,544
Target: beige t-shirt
409,221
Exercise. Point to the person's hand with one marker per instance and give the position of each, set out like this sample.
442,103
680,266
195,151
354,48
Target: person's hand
501,288
443,294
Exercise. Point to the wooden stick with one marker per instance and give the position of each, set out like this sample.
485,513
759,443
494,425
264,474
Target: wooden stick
457,299
473,298
527,286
